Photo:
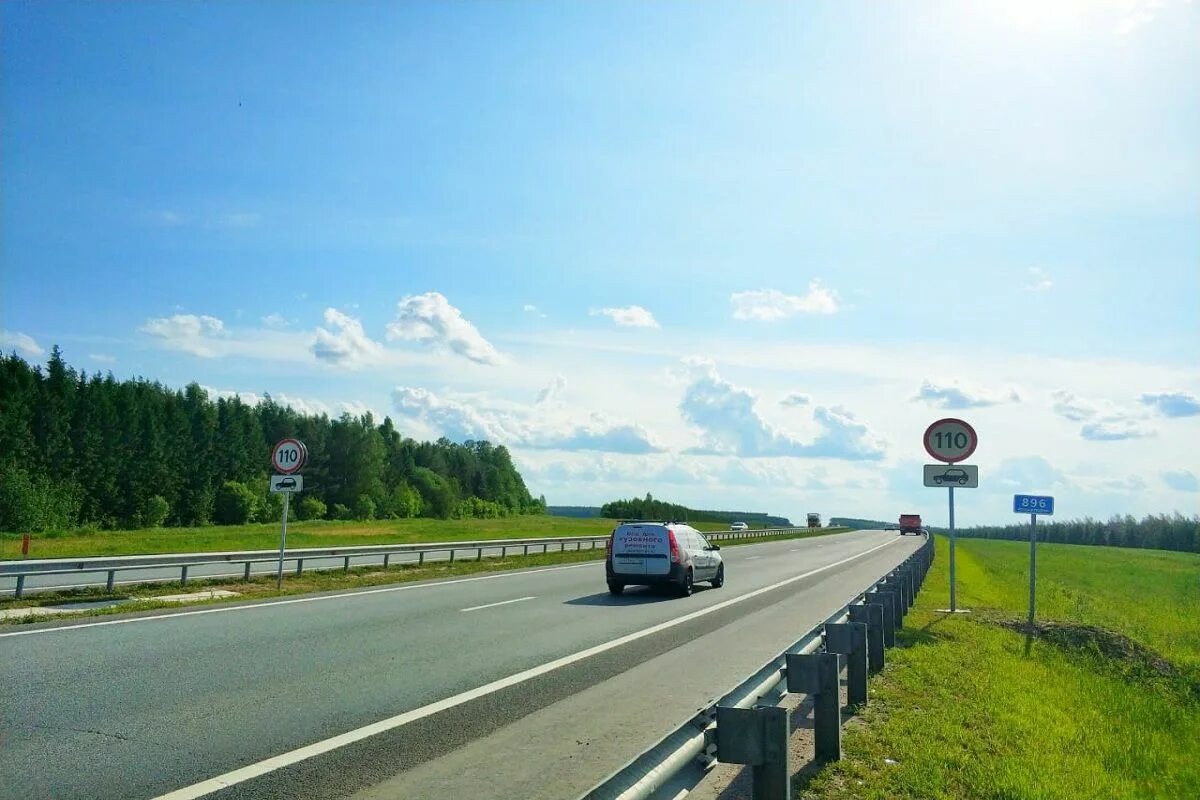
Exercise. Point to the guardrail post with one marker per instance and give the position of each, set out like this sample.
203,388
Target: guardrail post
451,555
183,575
346,564
888,599
246,572
901,591
479,554
420,558
112,579
20,586
299,566
386,558
817,675
850,639
871,614
758,737
503,552
526,551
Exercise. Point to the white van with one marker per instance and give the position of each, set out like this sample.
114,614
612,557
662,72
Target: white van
661,553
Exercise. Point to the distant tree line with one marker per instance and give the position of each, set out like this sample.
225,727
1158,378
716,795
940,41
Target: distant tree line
89,450
1160,532
1156,531
648,508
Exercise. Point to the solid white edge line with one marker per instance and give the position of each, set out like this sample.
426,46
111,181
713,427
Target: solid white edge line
297,600
501,603
265,766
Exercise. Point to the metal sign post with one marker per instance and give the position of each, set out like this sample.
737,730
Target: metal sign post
287,457
951,440
282,543
1033,505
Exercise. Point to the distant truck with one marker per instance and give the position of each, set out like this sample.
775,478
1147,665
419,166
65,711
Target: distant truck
910,523
814,520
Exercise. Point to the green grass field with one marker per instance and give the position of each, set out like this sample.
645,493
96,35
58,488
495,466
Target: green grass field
1105,704
300,534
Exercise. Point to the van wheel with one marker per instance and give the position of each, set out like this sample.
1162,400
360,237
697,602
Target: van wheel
719,581
685,588
615,588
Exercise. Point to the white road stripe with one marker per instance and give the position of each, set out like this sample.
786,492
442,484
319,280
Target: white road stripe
751,558
294,601
318,748
501,603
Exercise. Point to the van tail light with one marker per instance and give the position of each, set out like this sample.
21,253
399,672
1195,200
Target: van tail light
674,547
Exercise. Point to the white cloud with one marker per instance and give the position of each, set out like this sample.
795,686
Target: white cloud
530,427
1102,422
1172,404
198,335
102,358
627,317
1114,428
276,321
1068,406
1039,281
730,424
957,395
348,346
552,390
22,343
795,399
1141,12
768,305
430,318
530,308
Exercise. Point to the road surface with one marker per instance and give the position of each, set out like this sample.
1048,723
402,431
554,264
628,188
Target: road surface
533,684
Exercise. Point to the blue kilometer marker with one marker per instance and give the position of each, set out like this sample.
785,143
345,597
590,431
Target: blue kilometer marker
1033,504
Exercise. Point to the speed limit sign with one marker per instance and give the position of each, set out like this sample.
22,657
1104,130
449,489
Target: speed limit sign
289,456
950,440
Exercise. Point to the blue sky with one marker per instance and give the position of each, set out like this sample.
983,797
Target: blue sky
736,255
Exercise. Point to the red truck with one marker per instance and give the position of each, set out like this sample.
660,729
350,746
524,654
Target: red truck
910,523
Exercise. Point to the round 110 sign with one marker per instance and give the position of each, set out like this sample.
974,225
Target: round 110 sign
289,456
950,440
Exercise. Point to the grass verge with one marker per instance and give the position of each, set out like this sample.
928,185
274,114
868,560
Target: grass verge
263,587
1105,702
312,533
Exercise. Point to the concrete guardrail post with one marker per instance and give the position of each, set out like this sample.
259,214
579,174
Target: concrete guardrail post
817,675
183,575
871,613
758,737
111,581
850,640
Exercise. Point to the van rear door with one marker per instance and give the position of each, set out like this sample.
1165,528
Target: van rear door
641,550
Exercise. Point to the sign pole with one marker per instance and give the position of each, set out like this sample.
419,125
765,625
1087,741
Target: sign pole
1032,567
953,602
282,544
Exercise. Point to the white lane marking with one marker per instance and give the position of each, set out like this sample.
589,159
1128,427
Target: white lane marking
295,601
795,550
265,766
501,603
751,558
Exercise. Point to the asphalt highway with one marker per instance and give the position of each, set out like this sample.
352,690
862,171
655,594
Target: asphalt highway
522,684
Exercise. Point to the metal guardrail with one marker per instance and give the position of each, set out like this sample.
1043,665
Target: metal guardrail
737,729
111,565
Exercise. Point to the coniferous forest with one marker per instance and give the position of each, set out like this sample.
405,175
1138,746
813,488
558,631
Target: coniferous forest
80,449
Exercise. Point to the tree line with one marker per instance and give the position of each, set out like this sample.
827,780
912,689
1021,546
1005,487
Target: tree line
647,508
1155,531
89,450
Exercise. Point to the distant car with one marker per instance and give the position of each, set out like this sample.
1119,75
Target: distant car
661,554
952,475
738,526
286,483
